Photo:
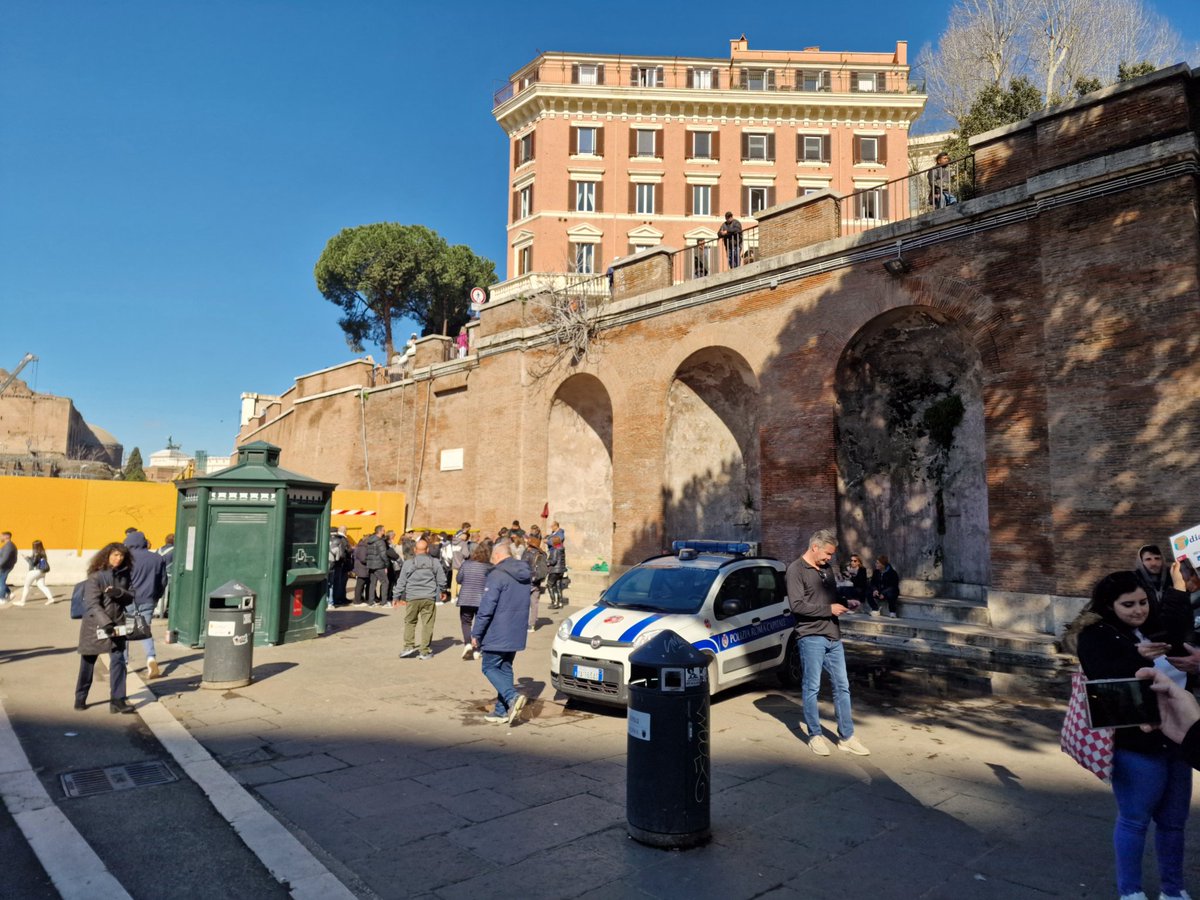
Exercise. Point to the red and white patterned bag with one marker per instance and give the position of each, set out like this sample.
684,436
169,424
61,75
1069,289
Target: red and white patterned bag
1091,747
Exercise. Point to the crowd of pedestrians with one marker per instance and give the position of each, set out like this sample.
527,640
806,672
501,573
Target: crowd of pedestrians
496,580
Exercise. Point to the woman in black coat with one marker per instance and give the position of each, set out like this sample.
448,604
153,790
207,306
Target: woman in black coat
105,595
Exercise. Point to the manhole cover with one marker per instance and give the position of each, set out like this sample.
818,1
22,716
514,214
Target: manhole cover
90,782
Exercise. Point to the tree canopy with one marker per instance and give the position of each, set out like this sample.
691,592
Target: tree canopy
133,467
1062,47
379,273
995,106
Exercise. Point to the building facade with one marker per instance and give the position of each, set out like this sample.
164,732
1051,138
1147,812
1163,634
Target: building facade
612,155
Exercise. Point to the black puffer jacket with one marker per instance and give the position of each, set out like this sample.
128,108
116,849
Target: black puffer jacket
105,596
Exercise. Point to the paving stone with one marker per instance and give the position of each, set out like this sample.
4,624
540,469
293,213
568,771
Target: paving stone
461,779
309,765
411,868
385,798
406,823
564,871
481,805
521,834
255,775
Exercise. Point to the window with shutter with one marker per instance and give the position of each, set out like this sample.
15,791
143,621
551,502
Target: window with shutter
599,141
525,260
585,196
599,197
585,74
574,74
857,149
881,151
585,141
826,148
770,147
644,205
659,81
716,145
701,145
645,144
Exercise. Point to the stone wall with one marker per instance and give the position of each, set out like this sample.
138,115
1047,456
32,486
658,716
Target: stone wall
1055,305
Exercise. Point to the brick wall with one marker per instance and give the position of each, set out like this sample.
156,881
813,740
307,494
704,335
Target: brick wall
798,223
1081,316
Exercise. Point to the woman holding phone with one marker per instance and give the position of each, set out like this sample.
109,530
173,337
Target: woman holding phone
1118,633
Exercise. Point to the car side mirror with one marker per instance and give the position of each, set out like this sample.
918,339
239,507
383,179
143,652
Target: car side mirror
731,606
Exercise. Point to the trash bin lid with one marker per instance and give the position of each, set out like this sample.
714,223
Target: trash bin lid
667,649
231,589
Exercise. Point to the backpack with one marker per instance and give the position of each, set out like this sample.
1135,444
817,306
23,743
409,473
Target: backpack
540,566
337,549
78,606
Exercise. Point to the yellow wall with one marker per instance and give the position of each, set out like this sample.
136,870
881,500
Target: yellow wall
82,515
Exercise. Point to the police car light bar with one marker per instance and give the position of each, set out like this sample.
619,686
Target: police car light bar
741,548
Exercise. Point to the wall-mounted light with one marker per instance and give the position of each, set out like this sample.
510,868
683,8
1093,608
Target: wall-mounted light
898,266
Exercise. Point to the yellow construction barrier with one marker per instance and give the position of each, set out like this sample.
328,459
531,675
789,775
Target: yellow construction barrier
76,517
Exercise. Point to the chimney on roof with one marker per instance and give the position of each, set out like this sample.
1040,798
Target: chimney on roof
738,44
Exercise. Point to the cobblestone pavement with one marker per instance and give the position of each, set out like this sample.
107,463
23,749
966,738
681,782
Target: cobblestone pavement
385,768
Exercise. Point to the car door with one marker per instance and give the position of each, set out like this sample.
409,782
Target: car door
753,637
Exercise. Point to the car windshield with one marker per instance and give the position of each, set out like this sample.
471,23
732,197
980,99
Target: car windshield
677,589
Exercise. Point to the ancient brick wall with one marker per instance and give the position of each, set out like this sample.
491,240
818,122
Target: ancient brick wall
1077,289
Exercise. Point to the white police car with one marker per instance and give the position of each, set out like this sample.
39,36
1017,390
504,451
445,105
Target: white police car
731,606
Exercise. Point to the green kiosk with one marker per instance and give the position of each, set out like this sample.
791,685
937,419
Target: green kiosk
260,525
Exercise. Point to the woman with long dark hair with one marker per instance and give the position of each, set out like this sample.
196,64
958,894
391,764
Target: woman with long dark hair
1120,631
105,595
39,565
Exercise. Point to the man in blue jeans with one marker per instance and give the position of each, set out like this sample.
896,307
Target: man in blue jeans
499,629
812,594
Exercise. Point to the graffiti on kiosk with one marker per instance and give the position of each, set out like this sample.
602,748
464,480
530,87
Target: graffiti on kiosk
302,558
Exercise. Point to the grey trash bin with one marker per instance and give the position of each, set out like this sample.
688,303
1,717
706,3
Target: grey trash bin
667,775
229,637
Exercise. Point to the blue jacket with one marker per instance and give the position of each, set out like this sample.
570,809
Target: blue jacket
504,608
148,578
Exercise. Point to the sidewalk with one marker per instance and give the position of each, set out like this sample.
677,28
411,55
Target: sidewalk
385,769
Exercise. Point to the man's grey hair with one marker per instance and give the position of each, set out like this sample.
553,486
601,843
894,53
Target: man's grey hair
502,548
822,538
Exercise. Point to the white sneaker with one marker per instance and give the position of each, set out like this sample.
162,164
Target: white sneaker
853,745
1140,895
468,651
153,668
819,745
1182,895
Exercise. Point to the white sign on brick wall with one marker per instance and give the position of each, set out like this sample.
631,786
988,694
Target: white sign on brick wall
452,460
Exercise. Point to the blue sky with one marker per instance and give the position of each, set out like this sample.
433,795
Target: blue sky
170,171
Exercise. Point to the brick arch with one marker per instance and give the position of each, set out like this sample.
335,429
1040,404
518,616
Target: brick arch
900,489
711,480
579,464
959,300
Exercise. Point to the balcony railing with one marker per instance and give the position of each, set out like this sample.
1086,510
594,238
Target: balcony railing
893,201
715,256
912,195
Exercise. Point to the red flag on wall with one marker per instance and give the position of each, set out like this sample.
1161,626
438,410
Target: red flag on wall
546,511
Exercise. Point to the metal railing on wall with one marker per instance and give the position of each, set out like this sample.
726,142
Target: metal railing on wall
911,195
714,256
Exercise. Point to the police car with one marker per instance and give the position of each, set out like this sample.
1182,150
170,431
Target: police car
730,605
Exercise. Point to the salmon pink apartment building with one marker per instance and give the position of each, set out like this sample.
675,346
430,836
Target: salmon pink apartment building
611,155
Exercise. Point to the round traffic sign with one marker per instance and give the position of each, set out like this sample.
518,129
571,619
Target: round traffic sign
478,295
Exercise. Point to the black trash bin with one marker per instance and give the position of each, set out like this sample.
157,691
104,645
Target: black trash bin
229,637
667,781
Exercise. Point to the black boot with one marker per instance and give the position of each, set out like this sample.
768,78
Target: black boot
81,702
120,706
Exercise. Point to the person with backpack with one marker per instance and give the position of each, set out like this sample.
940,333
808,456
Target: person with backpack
39,565
339,566
539,567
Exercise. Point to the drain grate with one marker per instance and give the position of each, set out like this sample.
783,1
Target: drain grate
90,782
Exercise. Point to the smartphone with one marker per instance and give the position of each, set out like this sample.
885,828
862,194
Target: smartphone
1121,703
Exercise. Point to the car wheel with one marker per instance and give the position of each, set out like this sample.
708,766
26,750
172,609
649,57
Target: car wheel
789,670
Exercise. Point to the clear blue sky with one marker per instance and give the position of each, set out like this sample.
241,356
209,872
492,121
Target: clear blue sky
170,171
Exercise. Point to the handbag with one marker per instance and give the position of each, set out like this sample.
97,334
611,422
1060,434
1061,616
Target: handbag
137,626
1091,747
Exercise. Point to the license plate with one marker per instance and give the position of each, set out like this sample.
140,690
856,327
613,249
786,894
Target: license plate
589,673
